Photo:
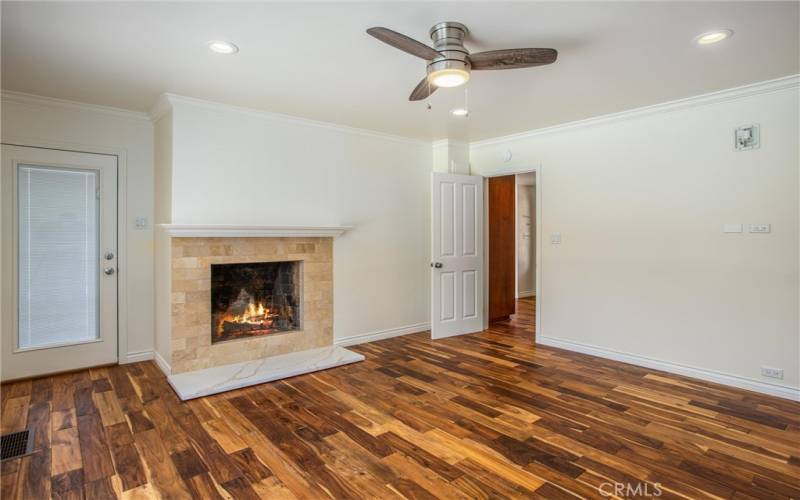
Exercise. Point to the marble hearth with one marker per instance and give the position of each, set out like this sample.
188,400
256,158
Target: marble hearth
197,366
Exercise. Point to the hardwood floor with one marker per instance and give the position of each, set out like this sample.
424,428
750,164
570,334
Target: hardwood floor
523,320
480,416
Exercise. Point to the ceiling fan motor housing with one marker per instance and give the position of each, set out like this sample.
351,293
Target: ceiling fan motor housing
448,40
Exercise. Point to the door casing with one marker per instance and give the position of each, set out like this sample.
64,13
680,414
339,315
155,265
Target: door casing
124,353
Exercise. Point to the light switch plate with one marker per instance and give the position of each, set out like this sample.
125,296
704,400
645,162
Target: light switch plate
732,228
555,238
759,228
140,223
747,137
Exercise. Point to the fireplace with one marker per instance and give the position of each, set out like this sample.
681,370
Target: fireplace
255,299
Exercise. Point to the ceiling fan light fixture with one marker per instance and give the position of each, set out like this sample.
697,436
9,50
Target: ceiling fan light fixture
448,77
450,63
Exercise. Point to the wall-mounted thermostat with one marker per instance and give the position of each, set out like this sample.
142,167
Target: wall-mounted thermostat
747,137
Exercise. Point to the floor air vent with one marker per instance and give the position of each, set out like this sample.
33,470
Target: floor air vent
16,444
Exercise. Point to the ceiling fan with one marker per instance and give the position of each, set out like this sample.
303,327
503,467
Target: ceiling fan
450,63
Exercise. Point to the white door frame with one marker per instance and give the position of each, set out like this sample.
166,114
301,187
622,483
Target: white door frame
123,353
539,295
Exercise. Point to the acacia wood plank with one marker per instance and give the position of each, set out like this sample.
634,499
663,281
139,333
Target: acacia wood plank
95,456
65,451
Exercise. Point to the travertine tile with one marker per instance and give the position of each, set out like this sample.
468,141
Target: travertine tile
191,298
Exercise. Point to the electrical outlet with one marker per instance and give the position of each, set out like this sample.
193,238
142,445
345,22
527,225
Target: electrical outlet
555,239
766,371
140,222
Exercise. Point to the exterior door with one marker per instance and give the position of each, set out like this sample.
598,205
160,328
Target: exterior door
59,255
457,262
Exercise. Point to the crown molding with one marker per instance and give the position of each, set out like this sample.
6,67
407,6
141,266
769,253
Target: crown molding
171,99
791,82
23,98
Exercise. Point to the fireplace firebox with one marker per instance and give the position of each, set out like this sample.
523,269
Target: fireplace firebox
254,299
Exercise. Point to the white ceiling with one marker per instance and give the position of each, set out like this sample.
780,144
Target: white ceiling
315,60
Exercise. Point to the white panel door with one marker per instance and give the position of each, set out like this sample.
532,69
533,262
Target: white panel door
457,256
59,228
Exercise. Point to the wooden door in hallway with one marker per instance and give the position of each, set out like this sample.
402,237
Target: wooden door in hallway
502,243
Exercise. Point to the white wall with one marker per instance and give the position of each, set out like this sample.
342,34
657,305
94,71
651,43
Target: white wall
526,237
162,132
451,157
55,123
644,270
233,166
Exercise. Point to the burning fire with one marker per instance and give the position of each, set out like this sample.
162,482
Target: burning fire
254,314
248,316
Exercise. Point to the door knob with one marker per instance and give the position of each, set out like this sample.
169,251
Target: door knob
437,265
109,255
109,271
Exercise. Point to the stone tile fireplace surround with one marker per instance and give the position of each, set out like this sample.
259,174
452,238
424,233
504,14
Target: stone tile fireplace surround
190,251
192,348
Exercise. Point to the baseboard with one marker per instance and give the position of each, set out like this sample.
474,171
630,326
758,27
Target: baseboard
527,293
780,391
136,356
382,334
162,363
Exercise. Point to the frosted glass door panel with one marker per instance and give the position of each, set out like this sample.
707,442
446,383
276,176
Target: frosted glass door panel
57,220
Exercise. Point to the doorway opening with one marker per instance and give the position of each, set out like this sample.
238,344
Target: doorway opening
512,253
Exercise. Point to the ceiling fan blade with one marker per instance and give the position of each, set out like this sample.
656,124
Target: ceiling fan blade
422,90
512,58
404,43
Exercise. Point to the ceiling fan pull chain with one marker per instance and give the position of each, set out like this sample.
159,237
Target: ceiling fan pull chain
428,103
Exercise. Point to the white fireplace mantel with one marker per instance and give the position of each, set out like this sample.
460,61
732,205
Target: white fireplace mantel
230,231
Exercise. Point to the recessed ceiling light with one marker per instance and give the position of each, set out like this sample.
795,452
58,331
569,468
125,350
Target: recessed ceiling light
222,47
460,112
712,37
